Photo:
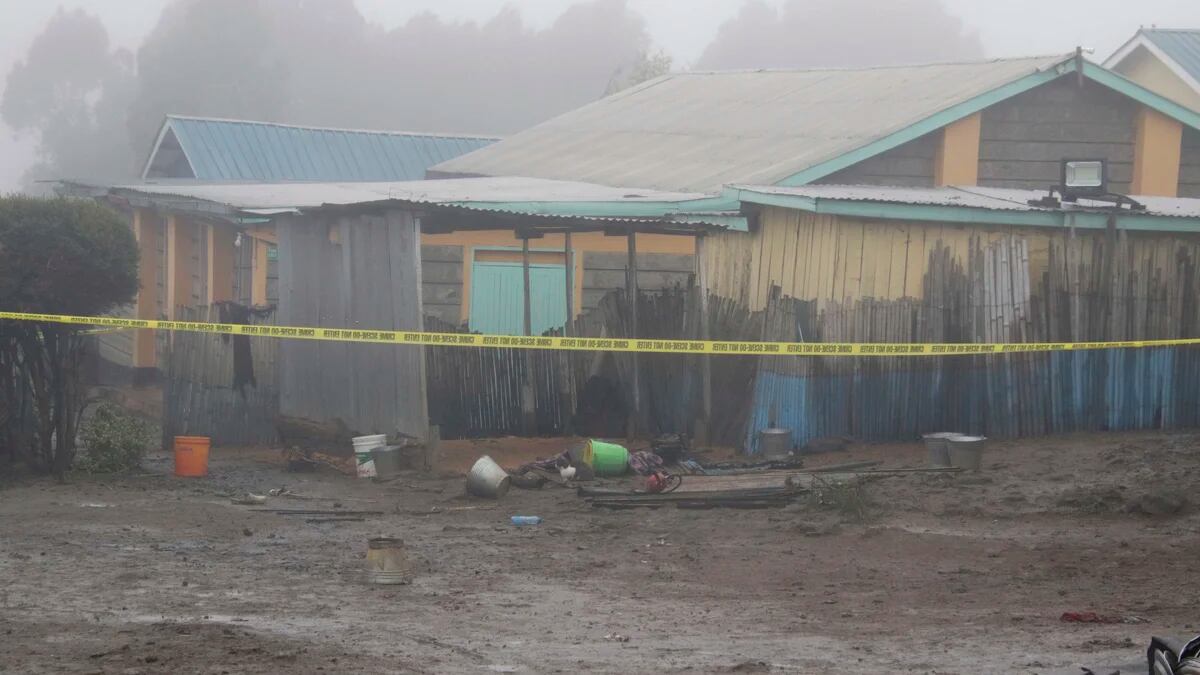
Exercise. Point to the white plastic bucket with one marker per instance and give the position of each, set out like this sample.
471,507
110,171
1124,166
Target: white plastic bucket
363,445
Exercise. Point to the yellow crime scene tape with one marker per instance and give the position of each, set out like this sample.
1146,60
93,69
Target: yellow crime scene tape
714,347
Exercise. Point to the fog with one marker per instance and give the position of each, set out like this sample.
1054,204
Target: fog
86,83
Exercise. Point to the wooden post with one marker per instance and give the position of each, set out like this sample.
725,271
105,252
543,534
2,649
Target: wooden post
220,263
528,404
631,293
569,268
566,378
701,434
146,231
258,272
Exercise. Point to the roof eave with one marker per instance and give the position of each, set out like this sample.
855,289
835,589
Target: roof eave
970,215
1147,43
931,123
1092,71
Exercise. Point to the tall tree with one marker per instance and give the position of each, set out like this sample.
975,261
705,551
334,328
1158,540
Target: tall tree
821,33
71,92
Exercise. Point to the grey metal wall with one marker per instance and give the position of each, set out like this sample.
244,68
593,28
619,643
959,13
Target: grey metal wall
442,282
361,271
605,272
1189,164
908,165
1023,139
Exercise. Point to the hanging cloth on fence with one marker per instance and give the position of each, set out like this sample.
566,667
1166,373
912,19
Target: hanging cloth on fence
243,359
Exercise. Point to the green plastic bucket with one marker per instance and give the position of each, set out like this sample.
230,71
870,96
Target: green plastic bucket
607,459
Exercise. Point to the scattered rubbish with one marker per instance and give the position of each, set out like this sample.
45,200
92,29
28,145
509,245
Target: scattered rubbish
1093,617
249,498
661,481
966,452
487,479
388,461
530,480
191,456
939,451
308,460
670,447
365,461
567,472
775,443
526,520
616,637
247,532
387,561
646,463
606,459
95,505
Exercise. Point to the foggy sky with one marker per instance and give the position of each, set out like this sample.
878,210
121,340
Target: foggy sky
683,28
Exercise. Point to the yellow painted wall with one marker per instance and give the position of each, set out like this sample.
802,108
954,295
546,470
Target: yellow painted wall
957,158
1144,68
838,259
1157,148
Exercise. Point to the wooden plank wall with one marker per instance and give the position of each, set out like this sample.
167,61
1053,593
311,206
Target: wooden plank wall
370,277
1023,139
198,394
908,165
1189,164
442,282
887,281
604,272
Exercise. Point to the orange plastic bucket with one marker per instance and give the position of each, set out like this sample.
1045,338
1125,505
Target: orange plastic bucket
191,456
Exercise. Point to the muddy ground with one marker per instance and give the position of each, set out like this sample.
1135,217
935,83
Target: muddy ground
946,574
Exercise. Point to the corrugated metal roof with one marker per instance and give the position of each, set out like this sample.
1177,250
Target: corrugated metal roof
992,199
524,196
239,150
1182,46
700,130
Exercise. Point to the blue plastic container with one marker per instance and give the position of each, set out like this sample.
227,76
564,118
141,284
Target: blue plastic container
526,520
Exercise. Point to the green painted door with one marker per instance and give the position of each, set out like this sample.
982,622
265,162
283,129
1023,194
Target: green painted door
497,298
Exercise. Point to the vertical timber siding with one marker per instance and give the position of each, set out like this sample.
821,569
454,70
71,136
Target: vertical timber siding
1023,139
442,282
370,279
1189,164
605,272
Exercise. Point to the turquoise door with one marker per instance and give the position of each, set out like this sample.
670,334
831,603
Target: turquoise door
498,298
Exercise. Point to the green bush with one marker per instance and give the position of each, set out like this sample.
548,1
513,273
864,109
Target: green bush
114,441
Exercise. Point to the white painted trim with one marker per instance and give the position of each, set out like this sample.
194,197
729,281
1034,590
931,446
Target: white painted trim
162,132
1140,40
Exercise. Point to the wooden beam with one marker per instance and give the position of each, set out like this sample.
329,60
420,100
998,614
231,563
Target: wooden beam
1156,151
179,265
145,230
220,263
957,158
528,404
631,294
701,433
258,273
568,397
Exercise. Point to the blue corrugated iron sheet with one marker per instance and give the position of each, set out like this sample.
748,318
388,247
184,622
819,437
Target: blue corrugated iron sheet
234,150
1183,46
1027,395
